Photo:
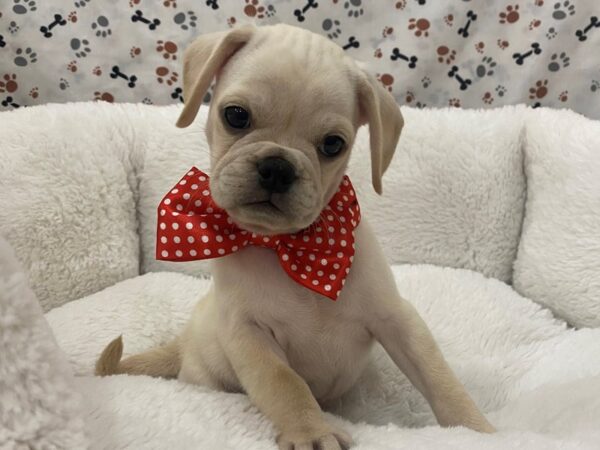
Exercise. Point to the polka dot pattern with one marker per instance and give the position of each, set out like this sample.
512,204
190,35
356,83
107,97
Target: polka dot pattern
191,227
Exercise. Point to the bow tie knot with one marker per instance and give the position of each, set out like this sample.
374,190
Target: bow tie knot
192,227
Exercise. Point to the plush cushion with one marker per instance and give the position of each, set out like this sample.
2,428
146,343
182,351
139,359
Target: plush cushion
507,350
454,193
66,197
558,263
39,409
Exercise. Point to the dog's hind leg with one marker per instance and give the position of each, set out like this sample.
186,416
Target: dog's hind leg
163,361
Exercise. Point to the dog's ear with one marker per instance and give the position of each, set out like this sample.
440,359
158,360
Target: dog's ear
202,61
379,109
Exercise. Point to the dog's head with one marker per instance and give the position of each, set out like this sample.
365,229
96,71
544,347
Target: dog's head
284,114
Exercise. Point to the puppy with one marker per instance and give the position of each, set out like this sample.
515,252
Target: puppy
292,99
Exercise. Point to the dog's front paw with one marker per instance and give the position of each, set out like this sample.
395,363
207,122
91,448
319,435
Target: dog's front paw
322,438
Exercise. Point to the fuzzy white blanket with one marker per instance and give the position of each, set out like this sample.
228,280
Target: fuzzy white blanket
538,381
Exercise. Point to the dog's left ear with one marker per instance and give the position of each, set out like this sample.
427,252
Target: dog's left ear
379,109
202,61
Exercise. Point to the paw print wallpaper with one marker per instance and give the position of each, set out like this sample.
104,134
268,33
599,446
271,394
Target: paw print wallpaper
461,53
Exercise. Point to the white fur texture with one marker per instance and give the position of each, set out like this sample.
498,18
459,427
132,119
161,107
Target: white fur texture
67,203
509,352
39,406
558,263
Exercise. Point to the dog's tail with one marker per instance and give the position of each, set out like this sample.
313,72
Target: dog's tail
164,361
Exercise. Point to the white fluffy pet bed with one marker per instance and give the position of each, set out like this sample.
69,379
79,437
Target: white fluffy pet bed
490,218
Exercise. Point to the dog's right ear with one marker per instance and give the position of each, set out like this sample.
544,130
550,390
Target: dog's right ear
202,60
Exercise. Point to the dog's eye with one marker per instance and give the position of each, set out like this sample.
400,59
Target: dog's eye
331,145
237,117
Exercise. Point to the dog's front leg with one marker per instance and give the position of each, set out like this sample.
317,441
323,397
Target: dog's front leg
279,392
406,338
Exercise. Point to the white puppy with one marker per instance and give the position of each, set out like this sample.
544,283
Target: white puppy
293,101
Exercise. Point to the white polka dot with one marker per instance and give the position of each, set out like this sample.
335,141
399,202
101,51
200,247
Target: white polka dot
327,287
330,218
347,270
193,252
345,182
342,219
229,221
167,201
323,262
337,293
206,252
343,243
221,251
351,258
203,225
177,239
194,186
191,239
197,203
190,213
320,273
246,242
331,241
186,196
294,267
205,239
319,229
163,226
182,182
202,178
162,212
164,253
332,277
303,276
336,266
315,282
174,214
351,192
308,269
345,197
266,239
219,238
175,226
205,192
179,253
189,225
179,207
318,240
190,173
343,230
331,229
340,255
209,210
216,227
340,208
174,191
339,203
299,253
163,239
285,257
232,237
234,248
343,282
312,257
217,216
305,238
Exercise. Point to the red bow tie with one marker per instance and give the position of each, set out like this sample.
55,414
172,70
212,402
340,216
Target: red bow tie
191,226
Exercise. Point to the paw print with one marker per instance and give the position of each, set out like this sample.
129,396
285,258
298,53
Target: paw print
502,44
354,8
378,53
81,47
410,96
72,66
97,71
72,17
13,27
421,26
510,14
479,47
387,31
449,20
8,83
401,5
595,86
332,28
487,98
445,54
539,90
486,67
25,57
563,96
562,11
534,24
254,9
147,101
426,82
34,92
538,2
455,102
271,11
63,84
104,97
164,75
558,62
23,6
231,22
500,90
168,49
170,3
135,51
82,3
386,80
101,27
551,33
185,20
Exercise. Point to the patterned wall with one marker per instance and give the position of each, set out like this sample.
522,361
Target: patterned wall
463,53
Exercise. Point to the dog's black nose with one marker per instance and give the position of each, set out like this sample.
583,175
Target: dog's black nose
276,174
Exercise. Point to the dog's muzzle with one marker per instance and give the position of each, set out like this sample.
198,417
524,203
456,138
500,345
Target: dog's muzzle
276,175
